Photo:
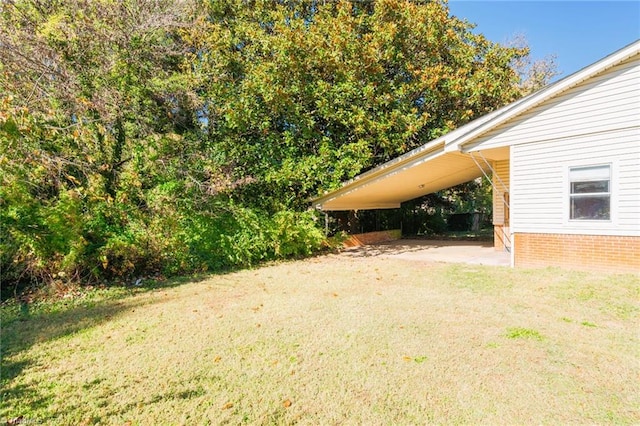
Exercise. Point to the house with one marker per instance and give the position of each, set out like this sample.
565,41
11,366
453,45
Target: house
564,163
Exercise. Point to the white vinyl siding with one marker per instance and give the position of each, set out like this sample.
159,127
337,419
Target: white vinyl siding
607,102
541,186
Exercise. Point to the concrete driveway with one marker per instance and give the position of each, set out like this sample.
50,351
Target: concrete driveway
472,252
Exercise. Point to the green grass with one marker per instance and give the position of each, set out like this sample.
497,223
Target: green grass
523,333
332,340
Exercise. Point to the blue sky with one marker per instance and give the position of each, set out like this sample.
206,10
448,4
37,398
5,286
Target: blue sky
578,32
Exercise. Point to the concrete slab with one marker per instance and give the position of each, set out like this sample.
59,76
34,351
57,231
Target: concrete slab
471,252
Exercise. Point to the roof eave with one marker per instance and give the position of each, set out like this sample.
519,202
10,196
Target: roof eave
523,105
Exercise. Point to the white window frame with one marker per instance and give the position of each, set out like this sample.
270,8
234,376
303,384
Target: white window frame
570,195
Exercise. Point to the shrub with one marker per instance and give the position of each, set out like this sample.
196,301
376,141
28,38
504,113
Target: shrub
295,234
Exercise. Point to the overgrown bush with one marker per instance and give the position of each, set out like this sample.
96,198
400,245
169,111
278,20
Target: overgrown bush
240,236
115,242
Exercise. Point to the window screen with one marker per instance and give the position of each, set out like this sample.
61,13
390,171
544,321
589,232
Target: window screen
590,193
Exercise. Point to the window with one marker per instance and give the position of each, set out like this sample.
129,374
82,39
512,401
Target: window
590,193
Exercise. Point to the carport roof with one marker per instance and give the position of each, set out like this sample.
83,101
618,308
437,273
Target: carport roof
434,166
448,160
402,179
429,168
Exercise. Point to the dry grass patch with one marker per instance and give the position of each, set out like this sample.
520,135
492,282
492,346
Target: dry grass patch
337,340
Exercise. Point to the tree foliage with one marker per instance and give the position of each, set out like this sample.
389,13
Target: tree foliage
88,90
105,171
146,137
302,95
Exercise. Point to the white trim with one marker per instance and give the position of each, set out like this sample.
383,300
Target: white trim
568,231
512,217
585,226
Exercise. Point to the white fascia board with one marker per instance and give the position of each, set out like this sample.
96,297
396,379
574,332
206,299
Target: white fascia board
357,206
454,137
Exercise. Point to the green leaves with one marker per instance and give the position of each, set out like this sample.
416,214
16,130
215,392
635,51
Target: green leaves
305,97
141,137
92,95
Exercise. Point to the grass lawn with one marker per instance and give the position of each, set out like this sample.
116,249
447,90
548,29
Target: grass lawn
333,340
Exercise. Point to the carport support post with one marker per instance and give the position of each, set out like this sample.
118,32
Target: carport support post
326,224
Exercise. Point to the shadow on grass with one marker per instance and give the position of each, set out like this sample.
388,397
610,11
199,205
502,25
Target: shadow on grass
410,245
48,321
25,397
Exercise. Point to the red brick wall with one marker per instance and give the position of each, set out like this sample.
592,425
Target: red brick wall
589,252
357,240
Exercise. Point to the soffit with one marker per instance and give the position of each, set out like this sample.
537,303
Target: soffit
406,183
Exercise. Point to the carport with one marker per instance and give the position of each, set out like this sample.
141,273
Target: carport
543,153
439,164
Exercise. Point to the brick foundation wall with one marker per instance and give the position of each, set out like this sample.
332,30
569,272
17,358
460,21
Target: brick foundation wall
357,240
587,252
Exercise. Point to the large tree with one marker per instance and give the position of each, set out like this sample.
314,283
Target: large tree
106,170
302,95
95,78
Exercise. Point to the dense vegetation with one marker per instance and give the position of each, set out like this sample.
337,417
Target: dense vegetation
168,137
